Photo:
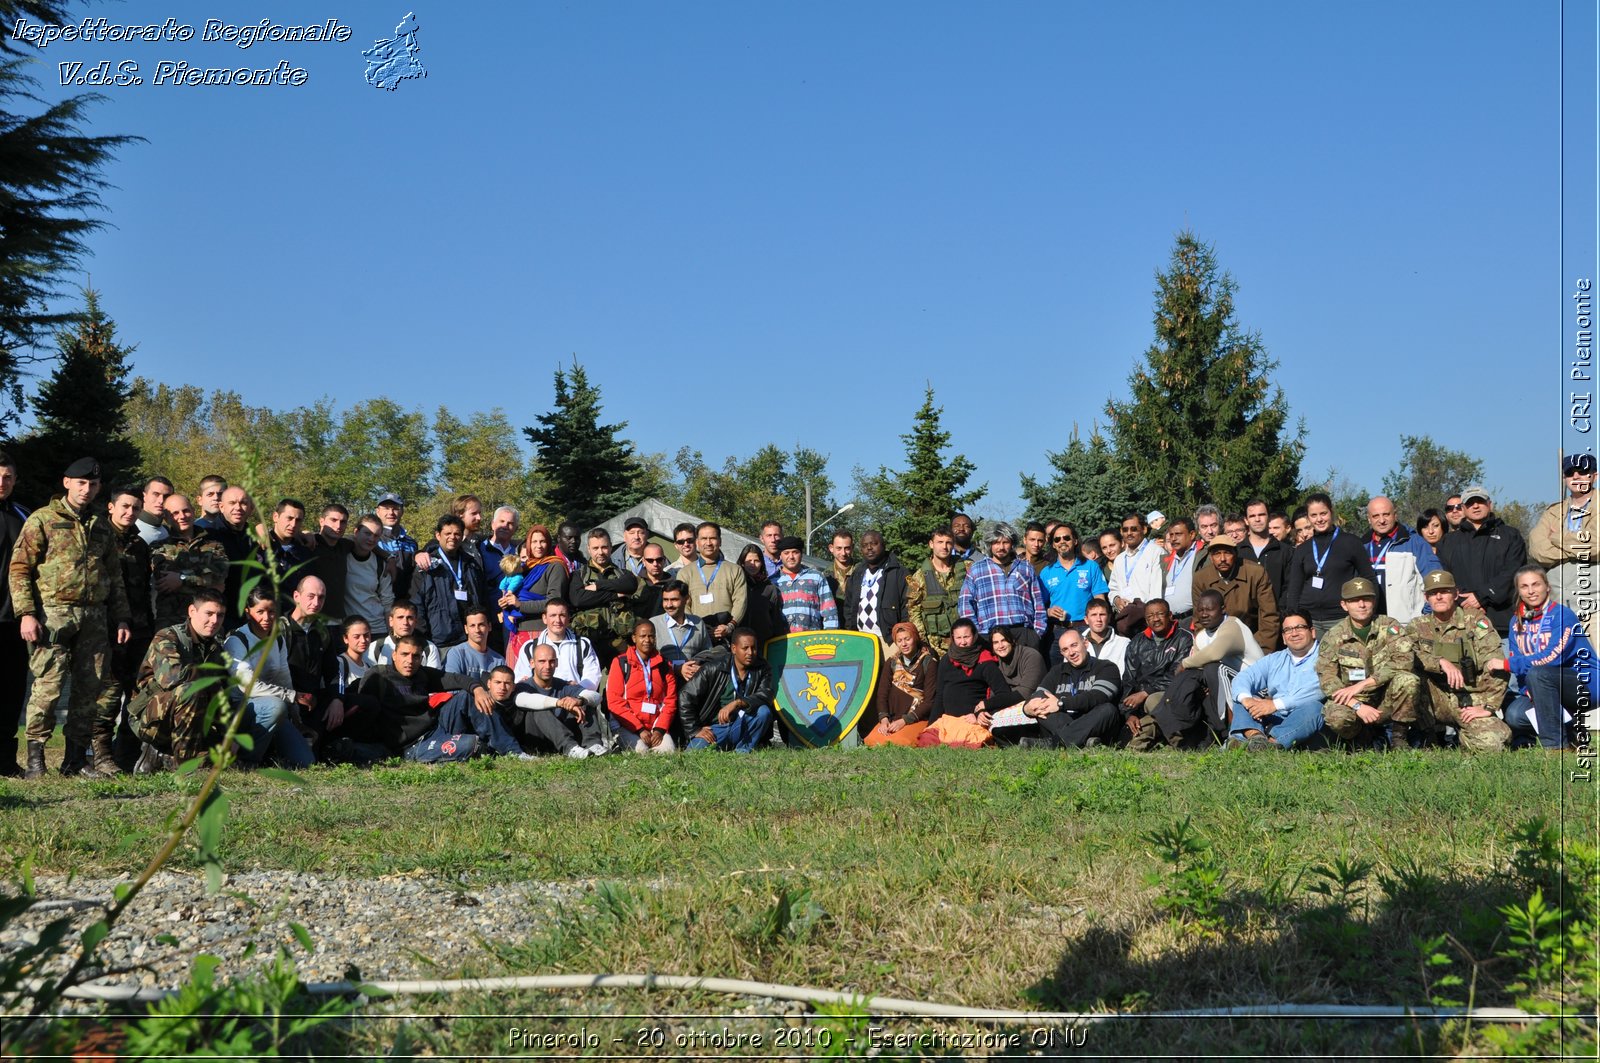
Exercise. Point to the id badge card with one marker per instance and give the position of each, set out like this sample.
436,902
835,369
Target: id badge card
1357,675
706,599
649,708
461,595
1316,582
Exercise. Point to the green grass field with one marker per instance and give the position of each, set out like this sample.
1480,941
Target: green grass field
996,879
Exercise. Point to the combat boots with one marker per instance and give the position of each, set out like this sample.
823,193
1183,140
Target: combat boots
105,764
35,761
75,759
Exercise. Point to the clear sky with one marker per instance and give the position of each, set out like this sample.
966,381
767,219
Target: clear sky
775,221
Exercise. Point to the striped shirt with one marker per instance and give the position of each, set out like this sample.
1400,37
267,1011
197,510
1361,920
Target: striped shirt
808,603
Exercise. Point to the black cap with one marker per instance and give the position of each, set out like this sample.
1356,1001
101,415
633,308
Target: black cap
635,522
1579,463
791,542
83,469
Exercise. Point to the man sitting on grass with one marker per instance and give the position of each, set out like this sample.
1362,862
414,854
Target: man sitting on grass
1277,701
429,715
166,713
557,713
728,704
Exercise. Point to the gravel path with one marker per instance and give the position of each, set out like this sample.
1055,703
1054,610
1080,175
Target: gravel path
390,928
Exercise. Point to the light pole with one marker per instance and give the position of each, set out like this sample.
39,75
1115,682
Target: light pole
810,530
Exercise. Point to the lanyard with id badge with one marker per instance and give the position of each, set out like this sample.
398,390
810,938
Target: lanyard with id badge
1321,559
707,598
455,574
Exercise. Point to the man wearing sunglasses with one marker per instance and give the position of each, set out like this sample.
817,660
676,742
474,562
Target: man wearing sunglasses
1070,583
683,539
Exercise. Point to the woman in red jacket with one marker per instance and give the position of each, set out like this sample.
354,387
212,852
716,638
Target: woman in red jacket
642,694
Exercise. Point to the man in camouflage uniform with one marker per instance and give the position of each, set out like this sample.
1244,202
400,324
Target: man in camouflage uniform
186,561
168,719
933,591
66,586
1365,667
122,509
605,599
1456,648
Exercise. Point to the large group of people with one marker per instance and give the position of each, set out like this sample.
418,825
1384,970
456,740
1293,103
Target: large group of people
1258,630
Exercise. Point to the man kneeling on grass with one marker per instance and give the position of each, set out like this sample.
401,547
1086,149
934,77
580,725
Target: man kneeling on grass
429,715
166,713
728,704
1277,701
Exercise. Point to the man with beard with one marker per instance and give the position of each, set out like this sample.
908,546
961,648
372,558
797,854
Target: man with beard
1002,590
1245,588
934,589
961,531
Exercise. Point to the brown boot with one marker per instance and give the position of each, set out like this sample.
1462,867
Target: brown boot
35,761
105,764
1399,735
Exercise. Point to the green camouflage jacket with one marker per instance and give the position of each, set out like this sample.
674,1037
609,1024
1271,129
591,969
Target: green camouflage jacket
64,558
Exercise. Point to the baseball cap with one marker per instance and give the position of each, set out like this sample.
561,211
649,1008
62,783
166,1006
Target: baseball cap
1475,491
391,497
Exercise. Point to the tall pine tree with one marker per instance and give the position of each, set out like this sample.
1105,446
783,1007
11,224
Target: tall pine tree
1203,421
590,473
1086,489
49,195
82,409
914,501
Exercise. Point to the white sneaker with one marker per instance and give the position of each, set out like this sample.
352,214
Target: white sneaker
597,750
578,753
526,756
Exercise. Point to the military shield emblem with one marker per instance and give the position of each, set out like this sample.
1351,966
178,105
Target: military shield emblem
824,680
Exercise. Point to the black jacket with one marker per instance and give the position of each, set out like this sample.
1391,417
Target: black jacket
11,518
891,596
700,699
1275,559
407,716
957,691
240,545
136,581
438,611
1152,661
1483,560
1343,559
1077,690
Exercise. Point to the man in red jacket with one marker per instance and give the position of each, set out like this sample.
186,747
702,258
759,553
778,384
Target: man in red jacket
642,694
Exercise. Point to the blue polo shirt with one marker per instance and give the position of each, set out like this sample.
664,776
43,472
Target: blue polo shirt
1072,588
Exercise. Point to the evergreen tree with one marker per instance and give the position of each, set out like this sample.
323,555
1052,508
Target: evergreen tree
590,472
81,409
1203,421
49,185
912,502
1086,488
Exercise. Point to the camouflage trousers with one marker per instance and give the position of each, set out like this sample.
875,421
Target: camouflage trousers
75,643
1488,734
1398,704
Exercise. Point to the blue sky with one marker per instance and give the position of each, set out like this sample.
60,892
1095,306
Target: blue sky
775,222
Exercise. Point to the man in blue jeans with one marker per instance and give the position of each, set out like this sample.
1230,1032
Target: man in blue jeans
728,703
1277,701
